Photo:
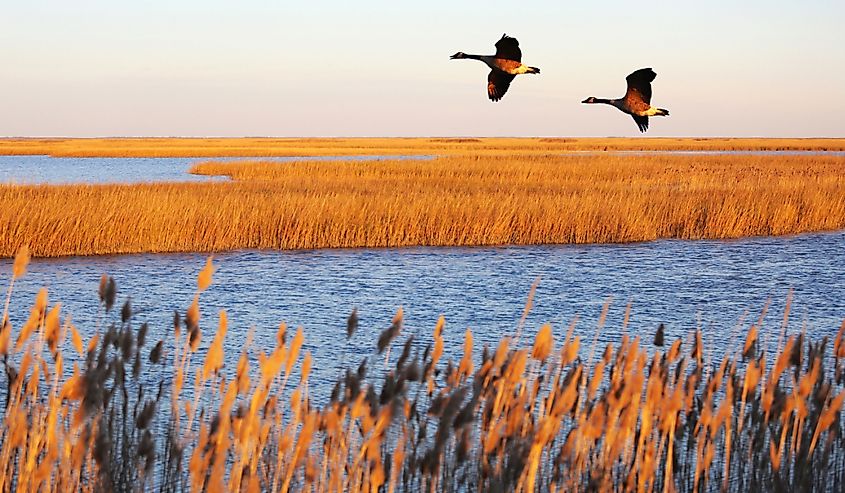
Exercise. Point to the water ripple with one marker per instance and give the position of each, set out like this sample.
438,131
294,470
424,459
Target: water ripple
683,284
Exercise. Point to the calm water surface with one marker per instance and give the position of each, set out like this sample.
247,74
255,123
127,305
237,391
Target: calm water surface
730,153
719,286
46,169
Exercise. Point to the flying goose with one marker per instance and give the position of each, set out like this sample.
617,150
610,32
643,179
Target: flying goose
505,65
637,100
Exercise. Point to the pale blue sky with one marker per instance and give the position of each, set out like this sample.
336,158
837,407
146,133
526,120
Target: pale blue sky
382,68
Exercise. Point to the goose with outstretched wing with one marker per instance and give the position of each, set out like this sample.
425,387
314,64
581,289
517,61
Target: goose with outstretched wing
637,99
505,65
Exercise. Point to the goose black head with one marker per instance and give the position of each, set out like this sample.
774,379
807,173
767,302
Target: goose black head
589,100
458,55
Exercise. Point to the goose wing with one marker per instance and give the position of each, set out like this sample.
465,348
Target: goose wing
638,95
497,84
642,122
508,48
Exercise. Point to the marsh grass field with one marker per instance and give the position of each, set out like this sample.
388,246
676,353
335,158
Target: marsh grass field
254,147
107,408
510,191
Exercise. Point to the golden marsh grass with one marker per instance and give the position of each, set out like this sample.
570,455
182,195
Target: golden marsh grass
119,412
258,147
457,200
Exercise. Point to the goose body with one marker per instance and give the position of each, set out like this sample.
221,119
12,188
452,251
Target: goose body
637,99
505,65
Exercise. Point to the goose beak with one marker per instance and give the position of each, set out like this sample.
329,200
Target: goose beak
586,100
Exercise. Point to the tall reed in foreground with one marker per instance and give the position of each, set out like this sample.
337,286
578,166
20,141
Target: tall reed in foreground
546,416
449,201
